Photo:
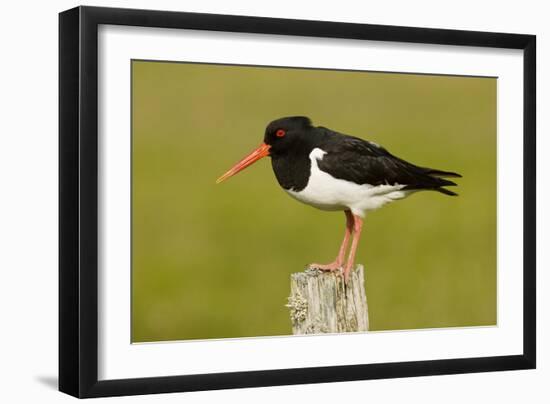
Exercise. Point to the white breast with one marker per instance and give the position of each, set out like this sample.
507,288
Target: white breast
325,192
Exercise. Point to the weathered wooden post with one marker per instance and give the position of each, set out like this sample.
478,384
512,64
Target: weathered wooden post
320,302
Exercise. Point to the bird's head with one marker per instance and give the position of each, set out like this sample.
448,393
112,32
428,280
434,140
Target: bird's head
280,136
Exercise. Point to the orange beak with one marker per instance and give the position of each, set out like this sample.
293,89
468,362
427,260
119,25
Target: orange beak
260,152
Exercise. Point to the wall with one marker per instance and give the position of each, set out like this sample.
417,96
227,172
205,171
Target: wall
28,207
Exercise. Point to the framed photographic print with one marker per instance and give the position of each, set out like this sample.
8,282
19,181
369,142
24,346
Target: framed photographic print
208,163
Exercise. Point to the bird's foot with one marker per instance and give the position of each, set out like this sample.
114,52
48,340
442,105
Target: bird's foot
346,272
333,266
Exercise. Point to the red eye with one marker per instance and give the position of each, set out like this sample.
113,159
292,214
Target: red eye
280,133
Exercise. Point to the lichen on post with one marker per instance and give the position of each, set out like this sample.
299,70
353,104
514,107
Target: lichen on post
320,302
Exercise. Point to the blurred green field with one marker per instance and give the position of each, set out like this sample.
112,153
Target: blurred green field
213,261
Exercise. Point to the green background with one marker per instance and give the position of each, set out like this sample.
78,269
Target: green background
213,261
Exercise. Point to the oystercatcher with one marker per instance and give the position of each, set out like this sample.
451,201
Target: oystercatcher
333,171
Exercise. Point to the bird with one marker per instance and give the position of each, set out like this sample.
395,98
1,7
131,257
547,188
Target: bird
334,171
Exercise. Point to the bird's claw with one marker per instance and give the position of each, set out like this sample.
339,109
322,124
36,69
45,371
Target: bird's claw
333,266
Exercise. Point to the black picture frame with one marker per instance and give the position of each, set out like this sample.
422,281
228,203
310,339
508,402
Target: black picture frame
78,201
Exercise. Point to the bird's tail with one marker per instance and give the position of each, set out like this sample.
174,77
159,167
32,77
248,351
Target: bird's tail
442,174
433,180
446,191
445,183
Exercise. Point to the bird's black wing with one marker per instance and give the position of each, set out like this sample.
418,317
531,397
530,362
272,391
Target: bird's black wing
363,162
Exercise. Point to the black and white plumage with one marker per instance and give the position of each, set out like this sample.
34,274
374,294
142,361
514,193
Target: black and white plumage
334,171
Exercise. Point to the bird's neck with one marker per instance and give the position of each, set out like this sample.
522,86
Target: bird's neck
292,169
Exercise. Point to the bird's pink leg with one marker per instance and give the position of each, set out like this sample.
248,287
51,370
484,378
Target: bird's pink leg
339,261
357,227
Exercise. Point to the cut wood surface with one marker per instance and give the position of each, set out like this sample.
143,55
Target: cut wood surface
320,302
